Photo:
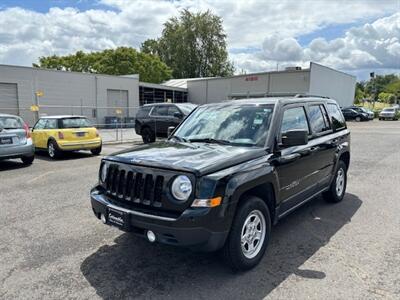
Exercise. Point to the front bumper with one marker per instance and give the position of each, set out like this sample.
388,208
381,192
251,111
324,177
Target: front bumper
202,229
17,151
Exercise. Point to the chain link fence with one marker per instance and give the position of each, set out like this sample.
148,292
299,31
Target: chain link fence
115,124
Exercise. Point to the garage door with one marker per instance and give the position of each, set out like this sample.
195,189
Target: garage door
8,98
117,102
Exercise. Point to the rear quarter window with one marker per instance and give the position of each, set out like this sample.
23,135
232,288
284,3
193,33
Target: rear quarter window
336,116
143,111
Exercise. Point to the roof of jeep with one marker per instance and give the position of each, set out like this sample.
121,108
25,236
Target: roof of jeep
274,100
63,117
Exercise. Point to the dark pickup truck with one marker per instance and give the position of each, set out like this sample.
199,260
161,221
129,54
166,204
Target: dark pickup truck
226,174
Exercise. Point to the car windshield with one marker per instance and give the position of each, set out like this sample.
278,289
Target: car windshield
388,109
76,123
187,108
241,125
10,123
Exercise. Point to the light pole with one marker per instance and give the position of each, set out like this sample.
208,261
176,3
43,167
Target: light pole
372,79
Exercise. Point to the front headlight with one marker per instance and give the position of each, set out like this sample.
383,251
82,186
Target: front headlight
103,172
181,188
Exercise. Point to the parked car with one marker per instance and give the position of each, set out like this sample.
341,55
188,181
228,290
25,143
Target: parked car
15,139
359,109
227,173
153,120
58,134
389,113
352,114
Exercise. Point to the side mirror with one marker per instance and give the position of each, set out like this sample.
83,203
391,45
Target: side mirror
178,115
170,130
294,138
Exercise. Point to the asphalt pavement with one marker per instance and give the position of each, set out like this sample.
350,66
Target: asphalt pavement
52,246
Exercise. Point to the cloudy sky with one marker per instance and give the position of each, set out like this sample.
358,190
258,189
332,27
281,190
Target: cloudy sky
356,36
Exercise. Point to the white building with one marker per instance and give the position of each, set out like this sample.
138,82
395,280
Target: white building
316,80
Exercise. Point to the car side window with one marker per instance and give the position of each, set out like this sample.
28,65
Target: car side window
40,124
337,119
161,111
172,110
294,118
317,120
51,124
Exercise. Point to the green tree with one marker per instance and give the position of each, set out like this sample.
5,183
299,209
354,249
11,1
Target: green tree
150,46
119,61
193,45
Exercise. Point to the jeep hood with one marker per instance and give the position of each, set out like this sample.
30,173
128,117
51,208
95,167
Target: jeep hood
198,158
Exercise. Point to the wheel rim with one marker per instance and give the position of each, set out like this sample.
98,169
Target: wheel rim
340,180
253,234
358,119
51,150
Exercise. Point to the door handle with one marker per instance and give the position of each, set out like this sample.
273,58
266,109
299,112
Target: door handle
314,149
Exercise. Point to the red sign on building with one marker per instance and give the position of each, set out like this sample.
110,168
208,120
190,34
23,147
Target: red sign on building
251,78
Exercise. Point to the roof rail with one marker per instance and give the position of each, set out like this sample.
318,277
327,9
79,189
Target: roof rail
308,95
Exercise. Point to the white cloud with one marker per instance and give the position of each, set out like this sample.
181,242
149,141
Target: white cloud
268,25
371,46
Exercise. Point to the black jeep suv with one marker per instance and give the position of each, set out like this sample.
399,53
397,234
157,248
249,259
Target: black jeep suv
226,174
153,120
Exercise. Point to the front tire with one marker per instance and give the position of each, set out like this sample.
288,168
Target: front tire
28,160
337,189
249,235
358,119
52,150
148,135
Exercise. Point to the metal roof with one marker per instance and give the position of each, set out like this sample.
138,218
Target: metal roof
182,83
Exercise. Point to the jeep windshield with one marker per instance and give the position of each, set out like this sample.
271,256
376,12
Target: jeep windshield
232,124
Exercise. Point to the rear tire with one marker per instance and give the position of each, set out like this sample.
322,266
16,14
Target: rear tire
358,119
96,151
53,150
249,235
148,135
27,160
337,189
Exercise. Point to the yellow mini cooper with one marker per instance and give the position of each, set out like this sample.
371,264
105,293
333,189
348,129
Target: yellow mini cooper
58,134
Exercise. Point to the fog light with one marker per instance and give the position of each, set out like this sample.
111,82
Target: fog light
151,236
103,218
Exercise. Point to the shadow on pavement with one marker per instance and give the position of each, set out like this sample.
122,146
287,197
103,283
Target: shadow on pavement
132,267
13,164
42,155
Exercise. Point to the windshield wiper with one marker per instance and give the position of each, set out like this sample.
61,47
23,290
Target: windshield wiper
179,139
211,141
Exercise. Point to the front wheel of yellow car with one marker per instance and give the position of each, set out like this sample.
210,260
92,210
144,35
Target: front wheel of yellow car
53,150
96,151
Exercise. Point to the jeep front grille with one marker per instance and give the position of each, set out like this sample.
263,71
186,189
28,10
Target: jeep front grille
134,186
144,189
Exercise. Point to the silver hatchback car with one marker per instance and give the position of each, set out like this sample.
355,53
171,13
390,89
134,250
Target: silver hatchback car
15,139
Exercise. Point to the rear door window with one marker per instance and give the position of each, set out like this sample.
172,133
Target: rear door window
318,121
